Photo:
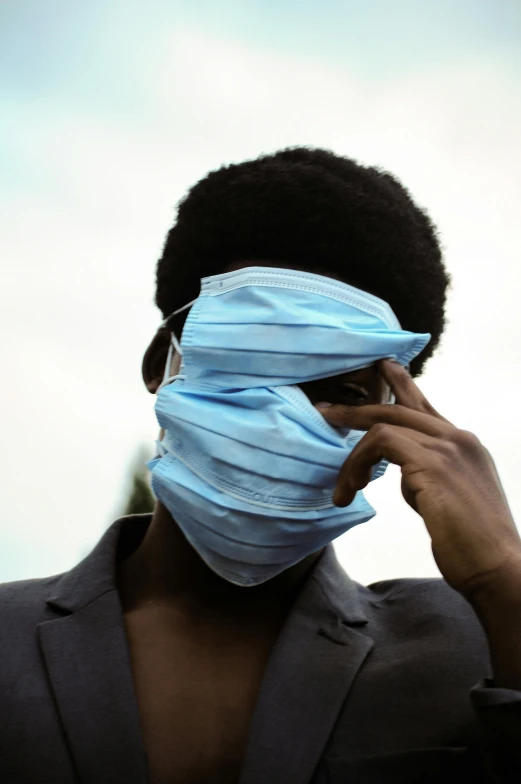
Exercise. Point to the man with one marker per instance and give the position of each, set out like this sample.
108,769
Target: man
218,639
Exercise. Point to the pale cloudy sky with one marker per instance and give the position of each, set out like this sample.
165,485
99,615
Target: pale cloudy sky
111,110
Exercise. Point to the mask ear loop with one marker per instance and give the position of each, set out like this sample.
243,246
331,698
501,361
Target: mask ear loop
180,310
174,346
167,378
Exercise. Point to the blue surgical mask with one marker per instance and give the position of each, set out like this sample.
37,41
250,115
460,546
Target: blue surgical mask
248,465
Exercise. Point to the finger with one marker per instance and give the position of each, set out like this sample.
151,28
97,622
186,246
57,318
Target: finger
364,417
406,391
398,445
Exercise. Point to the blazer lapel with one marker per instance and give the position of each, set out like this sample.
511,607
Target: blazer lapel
88,665
309,674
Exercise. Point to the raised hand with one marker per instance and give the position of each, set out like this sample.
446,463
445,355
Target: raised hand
448,477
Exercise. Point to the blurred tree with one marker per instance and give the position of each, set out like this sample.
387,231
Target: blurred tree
140,498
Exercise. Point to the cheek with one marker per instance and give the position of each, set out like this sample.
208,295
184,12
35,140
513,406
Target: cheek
175,364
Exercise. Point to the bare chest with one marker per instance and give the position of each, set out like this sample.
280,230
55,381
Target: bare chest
196,693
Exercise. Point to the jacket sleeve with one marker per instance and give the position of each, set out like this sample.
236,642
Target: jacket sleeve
499,715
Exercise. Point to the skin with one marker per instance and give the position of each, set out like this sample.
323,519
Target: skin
165,567
448,478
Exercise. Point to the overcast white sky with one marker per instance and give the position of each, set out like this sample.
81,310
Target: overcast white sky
112,110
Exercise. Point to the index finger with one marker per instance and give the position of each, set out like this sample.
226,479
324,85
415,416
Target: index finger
405,390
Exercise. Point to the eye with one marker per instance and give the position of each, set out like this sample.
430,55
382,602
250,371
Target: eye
347,394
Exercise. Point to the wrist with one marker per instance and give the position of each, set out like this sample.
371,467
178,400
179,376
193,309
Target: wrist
497,605
500,592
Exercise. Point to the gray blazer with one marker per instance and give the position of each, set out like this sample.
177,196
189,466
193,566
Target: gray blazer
377,685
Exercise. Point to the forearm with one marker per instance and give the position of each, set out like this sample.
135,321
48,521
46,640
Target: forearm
498,608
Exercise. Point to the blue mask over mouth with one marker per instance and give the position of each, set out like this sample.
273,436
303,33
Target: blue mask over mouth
248,466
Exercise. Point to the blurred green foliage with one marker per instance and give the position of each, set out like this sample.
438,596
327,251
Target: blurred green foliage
140,498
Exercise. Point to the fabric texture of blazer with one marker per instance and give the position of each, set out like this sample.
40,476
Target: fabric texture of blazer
386,684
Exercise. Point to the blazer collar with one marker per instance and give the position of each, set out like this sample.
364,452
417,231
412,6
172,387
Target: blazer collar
86,656
313,665
337,596
310,671
338,593
96,574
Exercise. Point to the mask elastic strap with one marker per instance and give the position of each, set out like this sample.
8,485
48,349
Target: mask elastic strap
179,310
167,378
174,346
161,451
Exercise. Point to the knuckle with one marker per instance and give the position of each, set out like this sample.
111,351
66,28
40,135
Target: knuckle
467,441
448,448
382,433
459,444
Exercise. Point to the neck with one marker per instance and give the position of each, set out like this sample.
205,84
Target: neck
166,569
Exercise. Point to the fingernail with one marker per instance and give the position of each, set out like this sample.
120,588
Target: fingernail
324,404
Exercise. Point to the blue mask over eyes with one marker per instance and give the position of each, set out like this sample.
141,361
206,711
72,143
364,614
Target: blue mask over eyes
247,465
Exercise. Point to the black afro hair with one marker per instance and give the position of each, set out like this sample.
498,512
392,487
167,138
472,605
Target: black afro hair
312,209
